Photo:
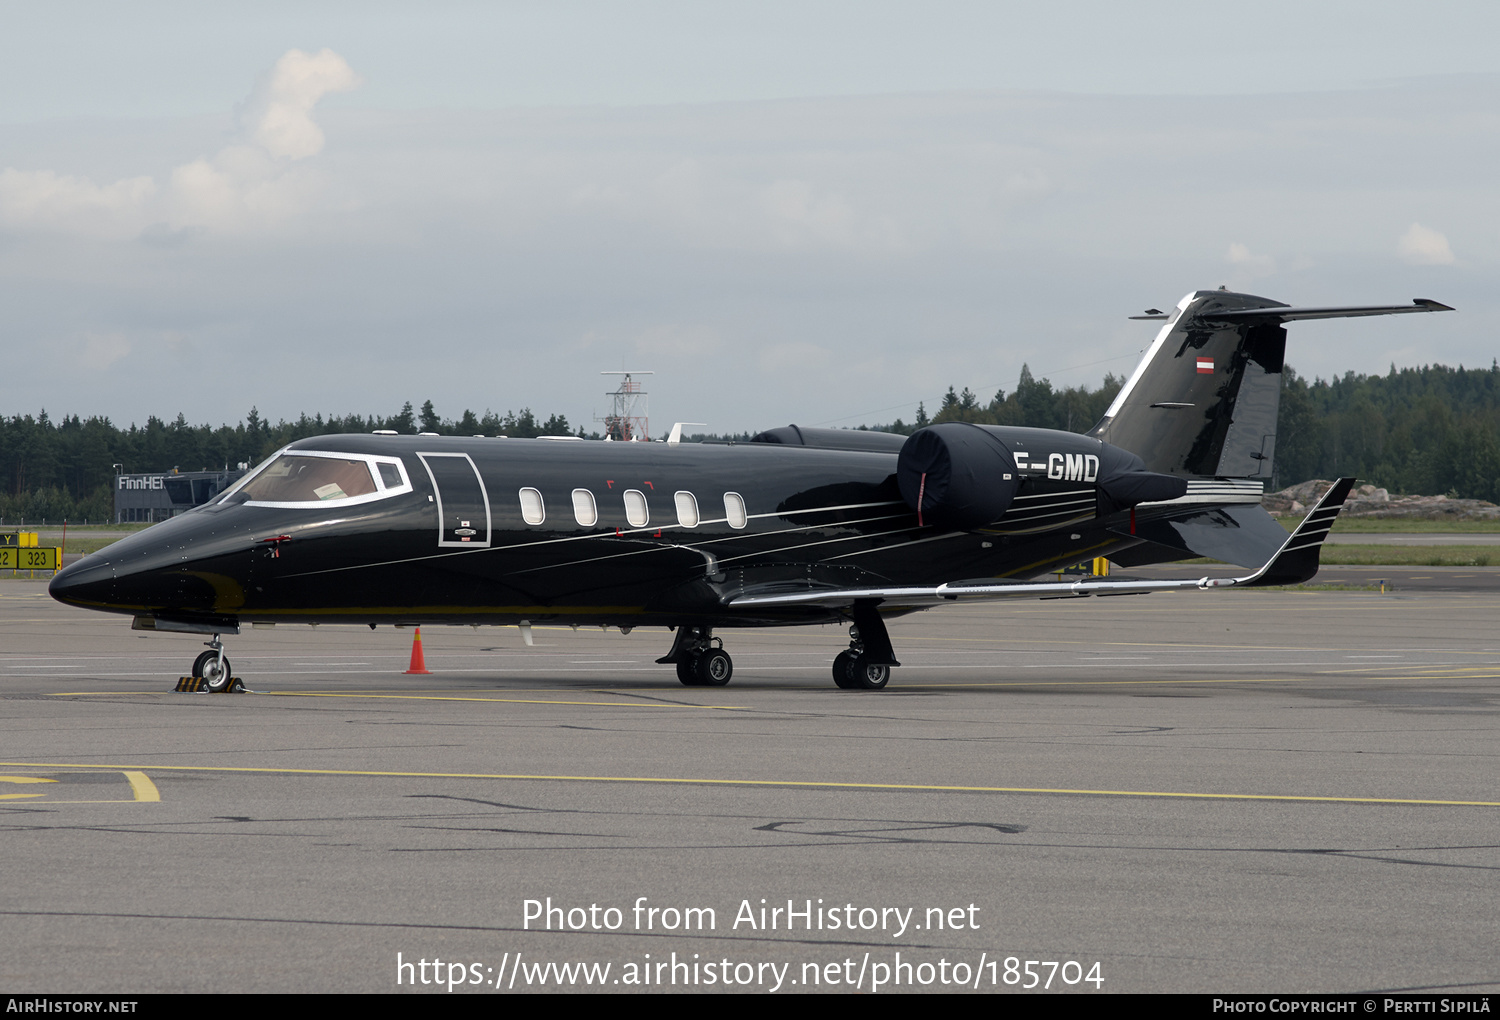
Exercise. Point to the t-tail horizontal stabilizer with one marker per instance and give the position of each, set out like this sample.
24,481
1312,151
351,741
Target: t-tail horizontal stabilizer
1296,561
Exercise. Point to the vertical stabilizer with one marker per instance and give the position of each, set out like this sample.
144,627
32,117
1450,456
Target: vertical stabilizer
1203,401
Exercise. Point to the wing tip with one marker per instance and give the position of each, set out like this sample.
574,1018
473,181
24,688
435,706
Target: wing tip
1297,561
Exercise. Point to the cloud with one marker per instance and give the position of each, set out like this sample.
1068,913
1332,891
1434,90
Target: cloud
1251,265
795,356
101,350
800,216
673,341
41,199
247,184
1423,246
278,116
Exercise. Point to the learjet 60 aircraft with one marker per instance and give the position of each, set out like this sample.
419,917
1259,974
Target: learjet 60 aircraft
797,526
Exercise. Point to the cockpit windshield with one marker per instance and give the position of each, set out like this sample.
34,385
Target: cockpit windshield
293,479
297,478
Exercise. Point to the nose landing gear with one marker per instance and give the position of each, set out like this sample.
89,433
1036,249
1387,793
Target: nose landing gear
213,667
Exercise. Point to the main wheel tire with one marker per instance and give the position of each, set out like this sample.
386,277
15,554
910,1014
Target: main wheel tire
714,668
687,672
868,677
843,670
207,667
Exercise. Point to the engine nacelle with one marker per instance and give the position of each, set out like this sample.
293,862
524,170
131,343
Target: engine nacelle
963,476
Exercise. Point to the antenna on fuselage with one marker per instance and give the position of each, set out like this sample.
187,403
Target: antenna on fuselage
628,420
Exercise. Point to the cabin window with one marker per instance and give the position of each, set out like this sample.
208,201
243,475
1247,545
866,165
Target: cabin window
687,509
585,510
635,508
299,479
533,511
734,510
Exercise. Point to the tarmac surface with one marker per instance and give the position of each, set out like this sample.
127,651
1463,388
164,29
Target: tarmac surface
1401,579
1209,792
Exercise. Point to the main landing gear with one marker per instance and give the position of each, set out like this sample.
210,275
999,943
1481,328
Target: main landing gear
700,658
213,667
866,665
702,662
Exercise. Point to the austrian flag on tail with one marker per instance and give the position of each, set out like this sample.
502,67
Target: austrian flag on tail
1205,366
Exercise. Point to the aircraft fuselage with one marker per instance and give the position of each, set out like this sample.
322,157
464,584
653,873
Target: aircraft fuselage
489,530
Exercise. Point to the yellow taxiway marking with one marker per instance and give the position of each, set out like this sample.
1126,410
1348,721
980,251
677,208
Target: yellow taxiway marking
918,685
779,783
142,786
1417,672
519,701
142,789
1113,683
23,779
442,697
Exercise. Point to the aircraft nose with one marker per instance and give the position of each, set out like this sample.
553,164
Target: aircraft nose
89,582
145,575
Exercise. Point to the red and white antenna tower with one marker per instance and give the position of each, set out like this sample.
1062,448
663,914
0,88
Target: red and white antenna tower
628,421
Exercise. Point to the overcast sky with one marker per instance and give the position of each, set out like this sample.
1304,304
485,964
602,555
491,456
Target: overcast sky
810,212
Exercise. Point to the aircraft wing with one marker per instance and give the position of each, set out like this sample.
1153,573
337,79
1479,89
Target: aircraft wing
1296,561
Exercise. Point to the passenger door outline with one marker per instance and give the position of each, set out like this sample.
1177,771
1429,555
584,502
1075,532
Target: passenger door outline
450,532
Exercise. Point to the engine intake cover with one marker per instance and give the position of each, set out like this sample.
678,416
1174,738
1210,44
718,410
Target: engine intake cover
957,475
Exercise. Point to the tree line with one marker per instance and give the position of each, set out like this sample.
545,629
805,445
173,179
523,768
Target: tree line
1432,429
56,470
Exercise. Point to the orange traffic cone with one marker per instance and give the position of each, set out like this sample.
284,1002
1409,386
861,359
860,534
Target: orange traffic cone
418,664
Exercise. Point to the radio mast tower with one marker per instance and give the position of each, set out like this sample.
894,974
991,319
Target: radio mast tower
628,421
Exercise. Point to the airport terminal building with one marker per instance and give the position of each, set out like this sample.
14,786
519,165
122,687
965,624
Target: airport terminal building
148,498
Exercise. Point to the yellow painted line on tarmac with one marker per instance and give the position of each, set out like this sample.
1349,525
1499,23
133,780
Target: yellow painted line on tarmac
517,701
911,686
1438,676
919,686
443,697
23,779
1012,645
142,786
1418,673
777,783
142,789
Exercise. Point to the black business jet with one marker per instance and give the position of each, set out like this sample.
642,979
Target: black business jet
796,526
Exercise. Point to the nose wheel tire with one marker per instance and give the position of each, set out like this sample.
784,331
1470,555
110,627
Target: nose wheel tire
208,667
687,673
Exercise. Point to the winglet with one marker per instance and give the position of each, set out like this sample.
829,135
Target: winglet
1297,559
